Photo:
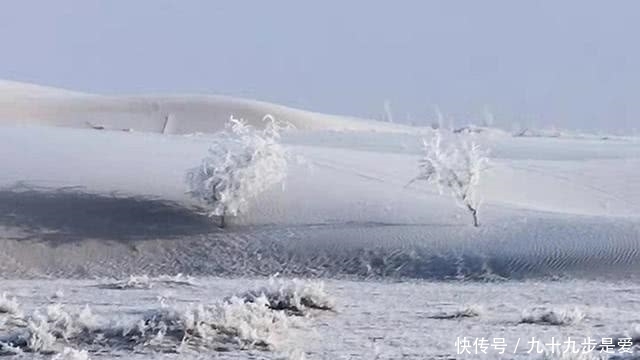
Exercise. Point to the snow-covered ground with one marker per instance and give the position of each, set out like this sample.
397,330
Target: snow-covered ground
368,320
81,198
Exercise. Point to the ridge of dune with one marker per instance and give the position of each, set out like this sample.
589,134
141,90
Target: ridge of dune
28,104
18,89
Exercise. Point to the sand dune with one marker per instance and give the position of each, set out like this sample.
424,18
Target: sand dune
178,114
82,202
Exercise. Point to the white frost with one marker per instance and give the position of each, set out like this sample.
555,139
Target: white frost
72,354
455,167
242,163
9,305
296,296
547,316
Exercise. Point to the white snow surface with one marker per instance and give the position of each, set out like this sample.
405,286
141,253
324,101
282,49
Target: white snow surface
112,203
370,320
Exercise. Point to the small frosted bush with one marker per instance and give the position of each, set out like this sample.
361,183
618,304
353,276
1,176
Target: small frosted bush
454,167
242,163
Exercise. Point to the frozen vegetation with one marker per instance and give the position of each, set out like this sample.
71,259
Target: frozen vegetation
72,354
243,162
146,282
455,168
545,316
464,312
8,305
236,323
295,297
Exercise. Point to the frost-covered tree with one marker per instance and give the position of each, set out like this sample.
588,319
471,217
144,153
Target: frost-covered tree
242,163
455,168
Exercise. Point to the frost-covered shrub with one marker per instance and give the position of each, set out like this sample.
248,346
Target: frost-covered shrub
9,305
44,329
295,297
454,167
545,316
470,311
72,354
255,320
242,163
146,282
220,325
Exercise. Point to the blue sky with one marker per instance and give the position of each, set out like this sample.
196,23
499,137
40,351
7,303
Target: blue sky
572,64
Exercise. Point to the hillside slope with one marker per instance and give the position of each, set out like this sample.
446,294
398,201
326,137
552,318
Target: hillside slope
169,114
84,202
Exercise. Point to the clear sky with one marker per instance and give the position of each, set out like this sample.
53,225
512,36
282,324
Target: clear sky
572,64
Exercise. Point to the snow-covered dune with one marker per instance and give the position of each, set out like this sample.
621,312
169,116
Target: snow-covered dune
178,114
113,203
17,91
